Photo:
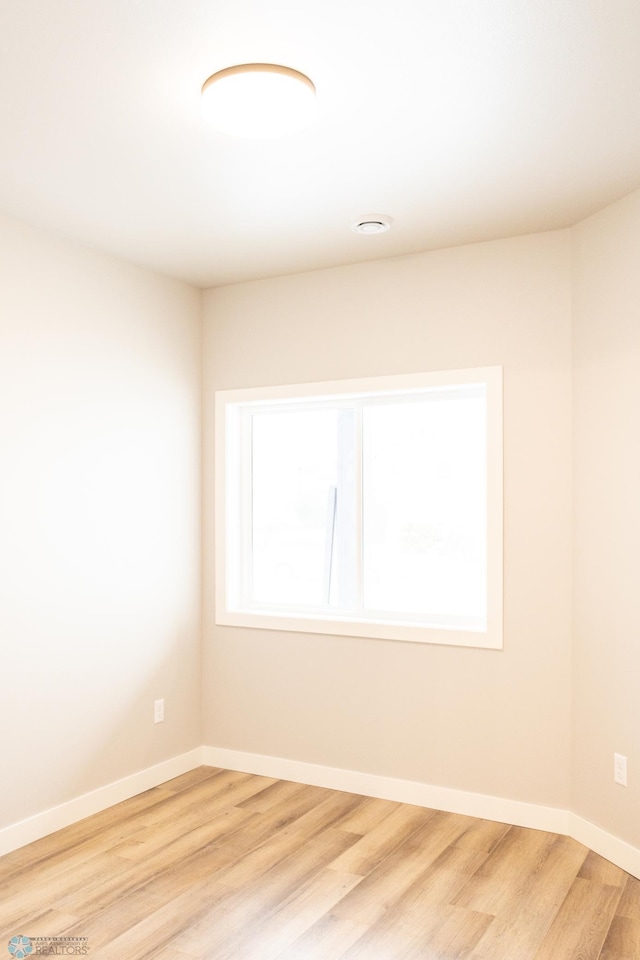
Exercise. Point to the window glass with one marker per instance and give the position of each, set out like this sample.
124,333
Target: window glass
293,476
424,507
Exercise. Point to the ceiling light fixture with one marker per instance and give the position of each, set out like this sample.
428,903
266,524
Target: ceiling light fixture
373,224
259,100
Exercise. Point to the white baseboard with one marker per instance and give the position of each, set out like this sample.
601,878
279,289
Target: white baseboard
606,844
26,831
514,812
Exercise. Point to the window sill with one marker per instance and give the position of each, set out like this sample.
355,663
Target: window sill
490,639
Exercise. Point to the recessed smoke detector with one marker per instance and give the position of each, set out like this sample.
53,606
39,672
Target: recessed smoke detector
376,223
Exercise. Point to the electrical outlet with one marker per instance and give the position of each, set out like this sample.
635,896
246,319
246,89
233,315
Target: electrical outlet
620,769
158,711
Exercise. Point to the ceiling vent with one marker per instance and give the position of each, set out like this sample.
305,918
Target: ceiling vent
373,224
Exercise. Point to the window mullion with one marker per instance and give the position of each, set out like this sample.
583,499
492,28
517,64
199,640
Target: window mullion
358,526
246,497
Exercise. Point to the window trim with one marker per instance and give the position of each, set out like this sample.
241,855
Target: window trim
340,625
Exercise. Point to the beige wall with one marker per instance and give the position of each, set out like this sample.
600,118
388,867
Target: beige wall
606,715
496,722
99,520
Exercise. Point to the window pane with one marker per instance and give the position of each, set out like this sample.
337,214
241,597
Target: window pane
424,506
294,471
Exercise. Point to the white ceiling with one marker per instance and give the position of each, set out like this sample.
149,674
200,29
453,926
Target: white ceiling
463,120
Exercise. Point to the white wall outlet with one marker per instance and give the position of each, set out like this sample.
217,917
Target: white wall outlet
158,711
620,769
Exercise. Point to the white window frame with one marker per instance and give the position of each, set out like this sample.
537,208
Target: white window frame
226,406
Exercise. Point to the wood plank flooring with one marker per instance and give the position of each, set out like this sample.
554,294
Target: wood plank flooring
218,865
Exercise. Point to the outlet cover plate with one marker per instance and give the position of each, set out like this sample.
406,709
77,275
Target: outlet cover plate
620,769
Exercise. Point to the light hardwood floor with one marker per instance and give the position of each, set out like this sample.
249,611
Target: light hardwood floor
230,866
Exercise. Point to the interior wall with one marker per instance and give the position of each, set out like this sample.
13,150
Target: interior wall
607,516
99,513
495,722
99,519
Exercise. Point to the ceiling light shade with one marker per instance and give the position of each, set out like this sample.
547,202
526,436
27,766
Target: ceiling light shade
260,100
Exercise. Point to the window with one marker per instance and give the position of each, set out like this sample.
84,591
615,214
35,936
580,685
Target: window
363,507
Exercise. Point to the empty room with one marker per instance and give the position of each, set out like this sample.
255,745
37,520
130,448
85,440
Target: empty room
319,472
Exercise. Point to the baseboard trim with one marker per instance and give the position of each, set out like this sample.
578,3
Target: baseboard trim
606,844
26,831
514,812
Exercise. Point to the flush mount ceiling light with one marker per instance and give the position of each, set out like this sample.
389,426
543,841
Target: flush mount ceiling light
373,224
260,100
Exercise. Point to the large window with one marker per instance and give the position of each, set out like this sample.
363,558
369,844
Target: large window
363,507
